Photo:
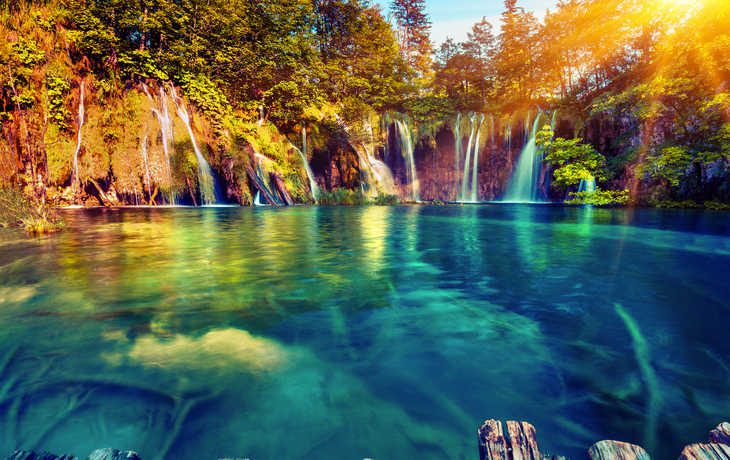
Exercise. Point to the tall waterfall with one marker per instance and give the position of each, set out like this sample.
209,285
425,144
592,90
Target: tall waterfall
163,115
465,181
81,116
312,183
523,186
407,152
457,150
474,176
205,174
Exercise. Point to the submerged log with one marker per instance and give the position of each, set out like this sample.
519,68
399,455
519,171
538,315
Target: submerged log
721,434
616,450
261,187
492,445
281,187
523,440
706,452
29,455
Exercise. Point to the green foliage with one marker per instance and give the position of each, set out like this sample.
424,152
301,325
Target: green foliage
429,108
342,196
689,204
35,217
575,161
600,197
384,199
57,93
206,95
669,163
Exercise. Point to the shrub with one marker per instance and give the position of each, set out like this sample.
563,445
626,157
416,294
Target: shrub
17,210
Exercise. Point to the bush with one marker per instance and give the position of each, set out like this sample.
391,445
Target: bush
342,196
17,210
384,199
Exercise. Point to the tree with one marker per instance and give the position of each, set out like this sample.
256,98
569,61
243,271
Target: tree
575,163
414,29
515,60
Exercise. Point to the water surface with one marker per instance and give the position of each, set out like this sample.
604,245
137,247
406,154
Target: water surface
363,332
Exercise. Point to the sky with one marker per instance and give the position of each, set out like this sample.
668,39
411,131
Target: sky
454,18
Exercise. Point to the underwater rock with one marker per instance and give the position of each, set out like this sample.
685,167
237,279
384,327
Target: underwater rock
113,454
29,455
616,450
706,452
98,454
721,434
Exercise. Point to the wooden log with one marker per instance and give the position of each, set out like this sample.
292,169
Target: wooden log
261,187
523,440
281,187
492,445
616,450
706,452
30,455
721,434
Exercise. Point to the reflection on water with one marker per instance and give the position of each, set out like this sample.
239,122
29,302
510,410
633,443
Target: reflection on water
354,332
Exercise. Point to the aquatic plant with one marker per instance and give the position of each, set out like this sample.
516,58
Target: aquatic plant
342,196
35,216
384,199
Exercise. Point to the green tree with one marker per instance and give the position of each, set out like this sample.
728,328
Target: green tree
575,162
414,31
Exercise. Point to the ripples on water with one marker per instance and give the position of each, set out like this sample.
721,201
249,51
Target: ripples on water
380,332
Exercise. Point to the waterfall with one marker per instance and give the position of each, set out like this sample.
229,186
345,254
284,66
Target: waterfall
474,183
166,130
457,150
465,181
523,186
407,149
312,183
146,167
81,116
205,174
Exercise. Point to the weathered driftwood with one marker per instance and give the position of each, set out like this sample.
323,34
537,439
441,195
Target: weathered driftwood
29,455
261,187
706,452
492,445
721,434
616,450
281,188
523,440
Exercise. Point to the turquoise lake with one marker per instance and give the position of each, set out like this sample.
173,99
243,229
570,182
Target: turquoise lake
337,333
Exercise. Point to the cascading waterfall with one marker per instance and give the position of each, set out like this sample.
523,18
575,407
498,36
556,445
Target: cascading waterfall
167,133
368,164
508,140
381,171
312,183
205,174
407,148
465,181
476,159
457,149
81,117
523,186
146,167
